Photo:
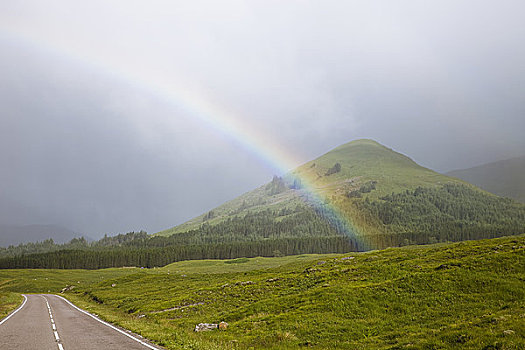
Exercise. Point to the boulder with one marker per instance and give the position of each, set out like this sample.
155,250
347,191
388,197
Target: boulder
66,289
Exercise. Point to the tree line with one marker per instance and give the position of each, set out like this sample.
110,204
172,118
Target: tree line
160,256
452,212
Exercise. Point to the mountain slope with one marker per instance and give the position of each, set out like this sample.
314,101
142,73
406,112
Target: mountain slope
361,161
362,189
505,178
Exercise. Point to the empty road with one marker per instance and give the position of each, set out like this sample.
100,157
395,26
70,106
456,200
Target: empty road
48,322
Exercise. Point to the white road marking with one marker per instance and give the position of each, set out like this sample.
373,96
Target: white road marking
14,312
55,332
107,324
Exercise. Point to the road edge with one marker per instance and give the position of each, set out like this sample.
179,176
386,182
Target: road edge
118,329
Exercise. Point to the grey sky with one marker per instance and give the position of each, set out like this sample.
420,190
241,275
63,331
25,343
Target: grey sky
89,140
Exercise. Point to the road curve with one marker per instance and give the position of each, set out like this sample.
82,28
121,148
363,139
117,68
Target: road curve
49,322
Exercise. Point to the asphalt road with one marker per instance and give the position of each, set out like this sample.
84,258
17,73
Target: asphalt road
48,322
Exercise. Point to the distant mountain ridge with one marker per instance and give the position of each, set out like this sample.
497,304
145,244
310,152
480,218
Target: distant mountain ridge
16,234
505,177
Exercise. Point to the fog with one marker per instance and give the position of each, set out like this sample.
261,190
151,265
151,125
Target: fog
98,133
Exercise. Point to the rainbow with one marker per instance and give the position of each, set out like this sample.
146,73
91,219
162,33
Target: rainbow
197,105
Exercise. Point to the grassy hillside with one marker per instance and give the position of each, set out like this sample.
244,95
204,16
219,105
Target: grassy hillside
467,295
217,266
381,197
361,161
505,178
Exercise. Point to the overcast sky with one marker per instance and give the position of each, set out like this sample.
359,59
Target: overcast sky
102,129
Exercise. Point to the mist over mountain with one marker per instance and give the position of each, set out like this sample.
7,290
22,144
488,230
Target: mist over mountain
108,131
14,235
505,177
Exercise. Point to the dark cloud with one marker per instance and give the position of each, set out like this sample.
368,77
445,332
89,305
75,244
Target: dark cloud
91,140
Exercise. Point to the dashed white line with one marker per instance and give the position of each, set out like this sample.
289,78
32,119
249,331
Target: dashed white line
55,332
14,312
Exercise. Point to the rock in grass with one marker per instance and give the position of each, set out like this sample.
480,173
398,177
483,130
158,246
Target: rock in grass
201,327
67,288
210,326
247,283
273,279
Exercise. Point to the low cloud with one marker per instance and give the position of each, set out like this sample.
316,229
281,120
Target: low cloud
93,137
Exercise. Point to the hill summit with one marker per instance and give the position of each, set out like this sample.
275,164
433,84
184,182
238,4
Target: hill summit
367,160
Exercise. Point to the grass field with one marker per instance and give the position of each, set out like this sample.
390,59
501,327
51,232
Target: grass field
464,295
241,264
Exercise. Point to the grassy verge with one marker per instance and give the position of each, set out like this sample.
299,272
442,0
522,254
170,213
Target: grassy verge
9,301
469,295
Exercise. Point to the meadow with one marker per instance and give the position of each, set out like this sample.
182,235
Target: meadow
469,294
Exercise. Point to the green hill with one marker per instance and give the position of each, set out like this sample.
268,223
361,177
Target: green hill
361,162
365,190
505,178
